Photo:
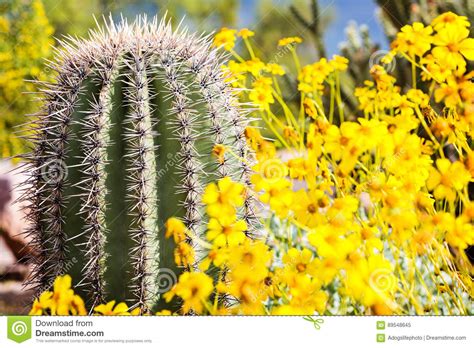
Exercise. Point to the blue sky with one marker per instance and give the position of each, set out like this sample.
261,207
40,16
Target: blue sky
343,11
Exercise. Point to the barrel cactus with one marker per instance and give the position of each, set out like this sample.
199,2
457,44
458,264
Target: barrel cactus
123,143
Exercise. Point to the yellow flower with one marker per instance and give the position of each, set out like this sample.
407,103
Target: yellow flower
234,73
225,38
221,199
452,44
62,284
339,63
265,151
262,82
328,268
279,196
413,39
164,312
42,304
450,19
219,151
404,157
77,306
194,289
441,127
269,171
400,213
275,69
245,33
261,93
311,77
226,230
371,281
262,98
176,228
184,255
254,137
370,235
289,40
250,293
64,301
369,133
290,133
249,259
276,189
111,309
447,178
216,256
340,139
298,263
331,242
308,205
460,234
248,275
305,298
306,293
469,163
376,185
299,168
288,309
255,66
434,69
419,97
310,107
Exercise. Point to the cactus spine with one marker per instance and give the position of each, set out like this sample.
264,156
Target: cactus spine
81,108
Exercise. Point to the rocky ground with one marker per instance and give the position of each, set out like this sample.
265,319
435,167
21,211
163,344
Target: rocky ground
14,298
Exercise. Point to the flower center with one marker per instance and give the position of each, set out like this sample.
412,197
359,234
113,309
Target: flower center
227,230
311,208
453,47
301,267
248,258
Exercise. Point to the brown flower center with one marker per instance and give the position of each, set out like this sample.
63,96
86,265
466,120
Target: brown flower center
311,208
301,267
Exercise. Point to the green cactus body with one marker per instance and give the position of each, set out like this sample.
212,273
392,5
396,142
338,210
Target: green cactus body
124,143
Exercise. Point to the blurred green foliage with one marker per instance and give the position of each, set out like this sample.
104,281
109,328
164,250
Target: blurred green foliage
204,15
72,17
